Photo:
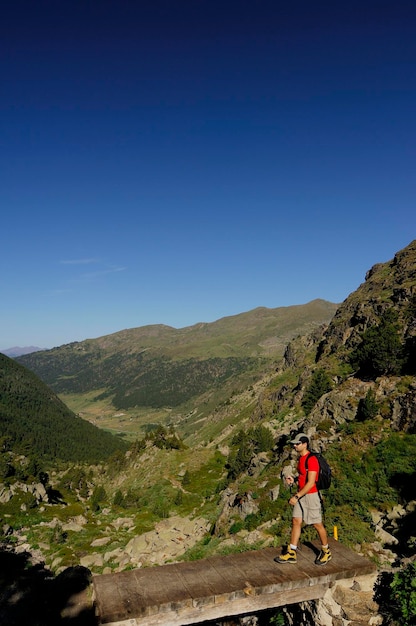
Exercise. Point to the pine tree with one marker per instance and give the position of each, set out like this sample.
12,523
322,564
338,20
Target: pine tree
367,407
381,352
320,384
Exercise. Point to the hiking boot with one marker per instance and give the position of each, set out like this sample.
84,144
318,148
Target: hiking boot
323,557
288,557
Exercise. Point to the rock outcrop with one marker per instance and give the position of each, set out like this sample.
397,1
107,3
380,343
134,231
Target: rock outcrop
349,604
169,540
391,284
37,490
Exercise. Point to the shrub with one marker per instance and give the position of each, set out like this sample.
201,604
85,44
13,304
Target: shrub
252,521
98,497
161,509
132,499
404,593
186,480
381,351
324,426
6,468
396,595
239,460
236,527
178,498
245,445
58,535
262,439
367,407
118,499
320,384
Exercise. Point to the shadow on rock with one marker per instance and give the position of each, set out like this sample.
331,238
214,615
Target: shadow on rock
30,595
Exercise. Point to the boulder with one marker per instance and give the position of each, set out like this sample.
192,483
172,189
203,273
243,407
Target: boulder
101,541
170,538
92,560
258,463
274,493
385,537
123,522
349,603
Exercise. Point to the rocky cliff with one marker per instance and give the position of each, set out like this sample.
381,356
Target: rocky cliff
387,285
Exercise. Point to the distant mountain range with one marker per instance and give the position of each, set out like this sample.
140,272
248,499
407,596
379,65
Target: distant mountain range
160,366
18,351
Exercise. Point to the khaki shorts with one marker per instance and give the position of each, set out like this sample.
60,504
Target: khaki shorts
309,508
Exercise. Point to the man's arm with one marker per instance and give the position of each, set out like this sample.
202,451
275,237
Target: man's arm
308,486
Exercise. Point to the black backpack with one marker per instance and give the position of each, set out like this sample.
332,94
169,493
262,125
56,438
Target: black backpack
325,472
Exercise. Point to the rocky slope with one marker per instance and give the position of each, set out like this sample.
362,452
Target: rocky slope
387,285
233,490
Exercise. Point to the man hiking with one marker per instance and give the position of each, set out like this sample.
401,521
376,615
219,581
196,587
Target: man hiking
306,504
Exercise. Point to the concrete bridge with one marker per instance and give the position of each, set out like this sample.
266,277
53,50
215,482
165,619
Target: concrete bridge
219,586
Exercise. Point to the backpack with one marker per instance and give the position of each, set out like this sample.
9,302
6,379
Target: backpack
325,472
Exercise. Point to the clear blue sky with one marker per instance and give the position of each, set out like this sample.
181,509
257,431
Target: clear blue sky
178,161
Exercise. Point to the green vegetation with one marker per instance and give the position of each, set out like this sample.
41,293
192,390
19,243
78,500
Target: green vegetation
158,366
98,498
211,409
34,421
396,595
244,445
171,383
319,385
381,351
403,588
368,477
367,407
164,438
28,470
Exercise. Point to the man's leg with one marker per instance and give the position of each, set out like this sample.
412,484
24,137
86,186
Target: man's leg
290,555
325,554
323,536
296,530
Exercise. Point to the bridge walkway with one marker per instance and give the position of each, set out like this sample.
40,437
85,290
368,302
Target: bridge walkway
221,586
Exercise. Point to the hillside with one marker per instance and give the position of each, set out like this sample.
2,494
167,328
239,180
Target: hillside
33,420
212,483
389,285
160,368
353,390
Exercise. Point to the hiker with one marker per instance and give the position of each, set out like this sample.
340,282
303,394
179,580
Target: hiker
306,502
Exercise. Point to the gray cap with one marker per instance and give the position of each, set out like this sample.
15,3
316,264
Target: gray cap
300,438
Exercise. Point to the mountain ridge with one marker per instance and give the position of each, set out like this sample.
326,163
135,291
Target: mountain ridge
20,350
229,472
387,285
159,366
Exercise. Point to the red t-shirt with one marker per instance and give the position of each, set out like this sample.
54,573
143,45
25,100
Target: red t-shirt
313,466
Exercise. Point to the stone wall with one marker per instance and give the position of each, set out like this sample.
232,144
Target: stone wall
349,603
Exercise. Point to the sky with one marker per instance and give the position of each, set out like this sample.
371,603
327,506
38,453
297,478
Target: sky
179,161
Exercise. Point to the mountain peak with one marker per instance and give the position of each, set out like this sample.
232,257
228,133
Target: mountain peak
20,351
